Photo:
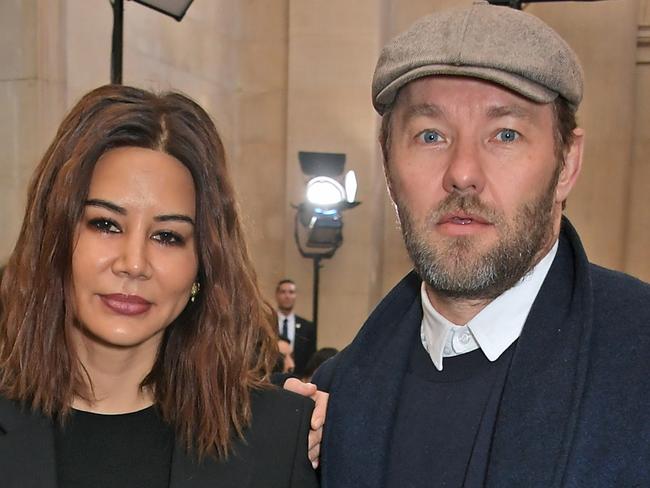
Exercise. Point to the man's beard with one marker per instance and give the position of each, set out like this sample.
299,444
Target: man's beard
456,267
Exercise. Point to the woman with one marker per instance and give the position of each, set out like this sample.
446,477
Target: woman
134,344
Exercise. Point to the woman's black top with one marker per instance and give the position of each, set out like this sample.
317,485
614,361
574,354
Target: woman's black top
110,451
139,450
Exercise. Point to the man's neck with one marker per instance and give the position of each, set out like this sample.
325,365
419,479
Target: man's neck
286,312
457,310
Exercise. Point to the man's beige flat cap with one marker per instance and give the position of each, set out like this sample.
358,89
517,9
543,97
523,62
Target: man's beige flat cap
498,44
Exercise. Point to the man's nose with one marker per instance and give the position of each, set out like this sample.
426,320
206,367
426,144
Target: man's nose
465,169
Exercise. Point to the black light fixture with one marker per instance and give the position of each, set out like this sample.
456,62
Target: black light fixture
318,225
173,8
517,3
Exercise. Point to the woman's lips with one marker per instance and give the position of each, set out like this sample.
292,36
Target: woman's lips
126,304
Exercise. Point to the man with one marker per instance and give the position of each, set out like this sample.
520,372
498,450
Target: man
300,331
506,358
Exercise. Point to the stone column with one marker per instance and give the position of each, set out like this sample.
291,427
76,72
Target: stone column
604,36
333,45
260,162
32,97
637,249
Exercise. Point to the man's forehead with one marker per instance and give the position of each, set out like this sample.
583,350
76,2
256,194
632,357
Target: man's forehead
434,96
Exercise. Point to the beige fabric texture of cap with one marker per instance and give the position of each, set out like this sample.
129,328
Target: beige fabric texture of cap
498,44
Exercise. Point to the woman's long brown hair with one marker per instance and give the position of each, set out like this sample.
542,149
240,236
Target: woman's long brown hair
219,347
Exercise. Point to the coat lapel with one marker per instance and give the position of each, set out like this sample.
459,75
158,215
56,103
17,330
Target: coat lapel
300,333
26,449
367,384
543,391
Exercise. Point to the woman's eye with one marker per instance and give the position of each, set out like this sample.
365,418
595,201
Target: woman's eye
429,136
507,135
106,226
168,238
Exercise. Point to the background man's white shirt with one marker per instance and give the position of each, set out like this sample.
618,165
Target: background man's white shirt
291,326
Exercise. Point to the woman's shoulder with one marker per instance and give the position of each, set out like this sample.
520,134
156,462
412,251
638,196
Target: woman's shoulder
273,450
279,418
274,404
13,415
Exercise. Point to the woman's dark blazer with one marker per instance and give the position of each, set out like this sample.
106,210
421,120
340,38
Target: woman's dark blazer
273,453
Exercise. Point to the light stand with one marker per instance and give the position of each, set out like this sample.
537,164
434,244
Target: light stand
118,42
318,223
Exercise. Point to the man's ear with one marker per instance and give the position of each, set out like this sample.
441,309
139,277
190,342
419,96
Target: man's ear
389,185
572,166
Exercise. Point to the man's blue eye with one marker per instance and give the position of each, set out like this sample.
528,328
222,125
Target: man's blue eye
507,135
430,137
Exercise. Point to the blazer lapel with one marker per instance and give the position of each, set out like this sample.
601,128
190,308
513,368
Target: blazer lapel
368,382
542,395
26,449
300,333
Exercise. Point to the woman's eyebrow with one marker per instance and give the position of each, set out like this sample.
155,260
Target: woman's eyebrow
98,202
174,217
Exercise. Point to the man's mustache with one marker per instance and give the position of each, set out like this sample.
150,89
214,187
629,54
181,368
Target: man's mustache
464,204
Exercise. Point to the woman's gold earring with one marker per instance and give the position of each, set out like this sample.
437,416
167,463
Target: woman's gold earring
196,287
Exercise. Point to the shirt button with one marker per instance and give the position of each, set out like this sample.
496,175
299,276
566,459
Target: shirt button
464,338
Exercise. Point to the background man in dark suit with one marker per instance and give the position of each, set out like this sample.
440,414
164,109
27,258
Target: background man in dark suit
300,331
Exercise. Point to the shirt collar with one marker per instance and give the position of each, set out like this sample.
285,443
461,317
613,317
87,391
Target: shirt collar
493,329
282,316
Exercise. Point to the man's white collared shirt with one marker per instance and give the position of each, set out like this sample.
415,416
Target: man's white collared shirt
493,329
291,326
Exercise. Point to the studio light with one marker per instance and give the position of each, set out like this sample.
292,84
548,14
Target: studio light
173,8
325,191
318,228
517,4
319,222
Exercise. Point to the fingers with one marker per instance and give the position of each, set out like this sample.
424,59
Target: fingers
320,409
297,386
315,438
317,418
317,422
314,451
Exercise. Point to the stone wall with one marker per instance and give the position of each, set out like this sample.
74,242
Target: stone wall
279,76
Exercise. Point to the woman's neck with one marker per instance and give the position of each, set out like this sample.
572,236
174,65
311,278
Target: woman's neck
116,374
